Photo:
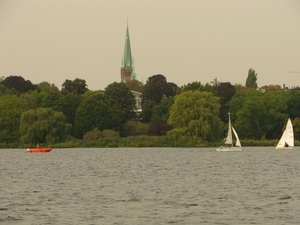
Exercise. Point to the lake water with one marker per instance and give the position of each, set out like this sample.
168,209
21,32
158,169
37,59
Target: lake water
150,186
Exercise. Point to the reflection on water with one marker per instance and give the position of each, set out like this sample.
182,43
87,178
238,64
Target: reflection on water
150,186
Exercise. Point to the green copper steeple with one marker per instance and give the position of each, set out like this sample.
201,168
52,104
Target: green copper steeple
127,61
127,68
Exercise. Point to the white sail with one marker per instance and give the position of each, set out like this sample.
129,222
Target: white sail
238,143
287,139
228,139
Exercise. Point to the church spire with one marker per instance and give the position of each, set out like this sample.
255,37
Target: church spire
127,58
127,69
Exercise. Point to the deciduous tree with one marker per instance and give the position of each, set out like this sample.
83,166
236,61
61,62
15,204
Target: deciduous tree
77,86
196,114
11,109
251,79
122,101
95,112
43,125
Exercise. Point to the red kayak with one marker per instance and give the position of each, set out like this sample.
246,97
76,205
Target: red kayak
39,149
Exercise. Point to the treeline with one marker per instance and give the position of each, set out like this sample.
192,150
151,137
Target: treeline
194,114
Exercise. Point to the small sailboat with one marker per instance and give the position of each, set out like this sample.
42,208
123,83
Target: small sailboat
229,147
286,141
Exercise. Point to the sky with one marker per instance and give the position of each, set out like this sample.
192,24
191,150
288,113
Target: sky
184,40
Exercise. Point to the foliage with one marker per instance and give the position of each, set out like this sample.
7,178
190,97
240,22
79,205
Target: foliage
94,112
162,110
96,134
122,101
195,86
148,106
69,104
134,85
157,88
251,79
259,114
225,91
30,100
19,84
4,90
134,128
270,88
293,104
159,128
77,86
47,98
296,127
195,113
43,125
11,109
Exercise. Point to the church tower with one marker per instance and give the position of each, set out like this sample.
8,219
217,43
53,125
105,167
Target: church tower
127,67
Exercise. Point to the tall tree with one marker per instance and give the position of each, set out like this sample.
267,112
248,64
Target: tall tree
225,91
77,86
196,114
121,99
95,112
259,114
196,86
43,125
19,84
11,109
154,91
69,104
157,88
251,79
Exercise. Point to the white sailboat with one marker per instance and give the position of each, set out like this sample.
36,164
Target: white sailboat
229,147
286,141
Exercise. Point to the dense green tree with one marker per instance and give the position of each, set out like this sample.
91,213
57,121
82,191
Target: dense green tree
43,125
159,127
148,106
225,91
251,80
260,114
4,90
19,84
154,91
121,100
11,109
30,100
47,98
296,127
196,114
69,104
157,88
134,85
269,88
134,128
77,86
293,103
196,86
162,110
95,112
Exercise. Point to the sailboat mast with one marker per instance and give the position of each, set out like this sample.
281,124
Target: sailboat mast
229,134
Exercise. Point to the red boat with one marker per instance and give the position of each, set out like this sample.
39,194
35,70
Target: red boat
39,149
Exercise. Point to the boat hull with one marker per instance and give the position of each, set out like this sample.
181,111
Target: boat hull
39,150
284,148
234,149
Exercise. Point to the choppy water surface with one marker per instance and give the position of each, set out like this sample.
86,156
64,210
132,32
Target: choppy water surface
150,186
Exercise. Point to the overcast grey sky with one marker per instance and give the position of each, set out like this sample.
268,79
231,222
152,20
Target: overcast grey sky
184,40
